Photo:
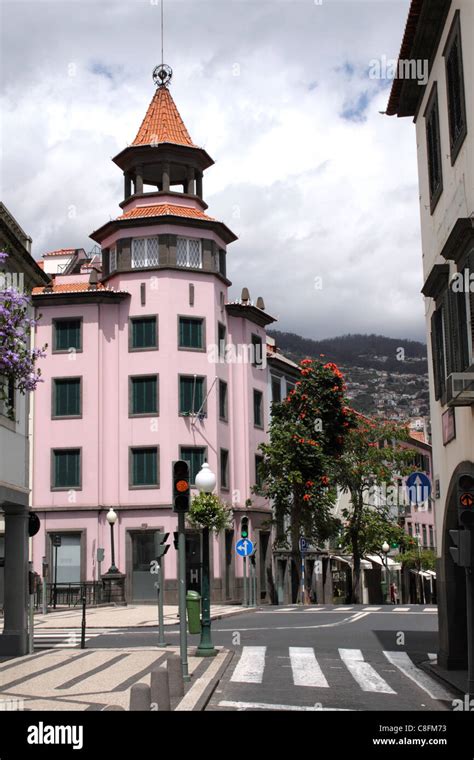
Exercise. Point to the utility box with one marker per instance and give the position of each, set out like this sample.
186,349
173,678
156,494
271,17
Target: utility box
193,606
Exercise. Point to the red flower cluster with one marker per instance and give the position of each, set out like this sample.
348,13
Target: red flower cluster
309,483
306,497
334,368
325,480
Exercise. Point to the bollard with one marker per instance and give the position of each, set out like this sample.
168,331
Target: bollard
160,690
140,698
83,624
112,708
175,676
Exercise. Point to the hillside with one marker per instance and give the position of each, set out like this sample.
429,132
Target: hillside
381,378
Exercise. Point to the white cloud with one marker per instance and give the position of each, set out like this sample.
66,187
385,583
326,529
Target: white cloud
263,86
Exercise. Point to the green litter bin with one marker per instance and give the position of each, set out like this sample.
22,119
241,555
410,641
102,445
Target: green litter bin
193,605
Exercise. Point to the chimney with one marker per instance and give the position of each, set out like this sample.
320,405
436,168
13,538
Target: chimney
260,303
245,296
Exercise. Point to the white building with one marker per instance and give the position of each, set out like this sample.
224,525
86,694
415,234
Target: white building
14,459
441,32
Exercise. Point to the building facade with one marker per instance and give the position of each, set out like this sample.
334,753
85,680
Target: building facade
442,33
22,273
149,362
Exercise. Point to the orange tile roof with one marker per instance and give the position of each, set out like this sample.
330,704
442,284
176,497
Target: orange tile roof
60,252
165,209
162,122
418,435
74,287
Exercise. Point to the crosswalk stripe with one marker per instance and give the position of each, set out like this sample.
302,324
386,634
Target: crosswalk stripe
403,662
372,609
365,675
433,657
401,609
430,609
251,665
286,708
305,668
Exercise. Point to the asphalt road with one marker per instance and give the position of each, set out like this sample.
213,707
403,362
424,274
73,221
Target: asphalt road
323,657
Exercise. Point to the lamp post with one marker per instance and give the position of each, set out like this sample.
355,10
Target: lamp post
386,549
112,519
205,483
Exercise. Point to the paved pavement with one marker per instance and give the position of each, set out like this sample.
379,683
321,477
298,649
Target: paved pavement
136,615
91,679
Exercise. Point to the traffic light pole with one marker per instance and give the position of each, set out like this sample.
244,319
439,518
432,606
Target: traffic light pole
470,632
183,642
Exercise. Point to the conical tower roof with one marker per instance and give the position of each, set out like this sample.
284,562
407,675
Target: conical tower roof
163,123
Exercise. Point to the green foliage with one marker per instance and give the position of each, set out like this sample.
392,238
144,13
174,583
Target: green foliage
208,511
418,559
307,433
375,528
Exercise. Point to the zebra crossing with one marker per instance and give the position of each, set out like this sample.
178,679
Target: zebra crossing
306,670
65,638
339,608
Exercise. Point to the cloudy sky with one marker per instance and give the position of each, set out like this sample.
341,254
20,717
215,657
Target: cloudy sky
319,186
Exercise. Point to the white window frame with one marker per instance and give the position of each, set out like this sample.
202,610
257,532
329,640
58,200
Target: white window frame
150,259
189,254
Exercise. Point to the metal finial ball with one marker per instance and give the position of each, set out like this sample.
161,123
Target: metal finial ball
162,75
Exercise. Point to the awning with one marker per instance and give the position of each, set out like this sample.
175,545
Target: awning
379,561
340,559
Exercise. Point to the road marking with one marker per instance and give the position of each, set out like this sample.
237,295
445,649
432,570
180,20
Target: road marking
430,609
358,616
268,706
403,662
365,675
433,657
401,609
250,666
372,609
306,669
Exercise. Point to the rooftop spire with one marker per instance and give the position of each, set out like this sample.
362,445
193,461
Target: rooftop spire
162,122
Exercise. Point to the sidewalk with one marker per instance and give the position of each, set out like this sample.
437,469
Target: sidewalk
91,679
134,615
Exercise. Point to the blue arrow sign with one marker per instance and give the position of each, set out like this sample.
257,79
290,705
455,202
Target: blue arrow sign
244,547
419,487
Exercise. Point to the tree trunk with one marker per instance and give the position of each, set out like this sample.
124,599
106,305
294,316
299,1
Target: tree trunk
295,547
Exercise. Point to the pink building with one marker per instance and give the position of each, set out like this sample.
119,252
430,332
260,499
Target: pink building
148,362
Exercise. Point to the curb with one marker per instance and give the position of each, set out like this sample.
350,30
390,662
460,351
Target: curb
198,696
428,667
217,616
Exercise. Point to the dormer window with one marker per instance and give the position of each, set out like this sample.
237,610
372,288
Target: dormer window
189,253
145,252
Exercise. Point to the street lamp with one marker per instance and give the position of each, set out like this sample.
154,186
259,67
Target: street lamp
205,483
386,549
112,519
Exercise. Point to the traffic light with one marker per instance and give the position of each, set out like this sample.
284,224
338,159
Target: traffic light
244,527
465,494
461,551
180,486
161,547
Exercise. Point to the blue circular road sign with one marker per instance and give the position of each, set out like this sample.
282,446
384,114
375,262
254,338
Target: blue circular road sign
419,487
244,547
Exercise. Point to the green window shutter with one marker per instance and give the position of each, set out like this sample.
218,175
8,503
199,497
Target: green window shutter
67,397
257,408
66,468
144,467
67,334
144,333
144,395
190,332
188,388
195,458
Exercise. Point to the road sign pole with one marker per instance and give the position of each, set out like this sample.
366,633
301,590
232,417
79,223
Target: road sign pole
245,583
161,621
302,577
255,585
183,642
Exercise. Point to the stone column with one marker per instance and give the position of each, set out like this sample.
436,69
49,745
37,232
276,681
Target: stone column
14,640
127,181
166,177
190,180
139,180
199,184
